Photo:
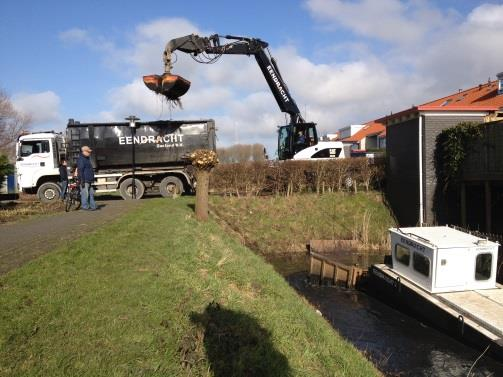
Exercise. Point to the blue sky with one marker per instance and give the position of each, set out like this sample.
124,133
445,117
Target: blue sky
344,61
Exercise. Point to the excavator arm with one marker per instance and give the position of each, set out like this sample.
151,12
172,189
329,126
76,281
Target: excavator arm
212,48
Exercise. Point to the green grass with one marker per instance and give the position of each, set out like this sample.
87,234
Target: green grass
279,224
158,294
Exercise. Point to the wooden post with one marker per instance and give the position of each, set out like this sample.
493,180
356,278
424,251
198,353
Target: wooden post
203,180
487,187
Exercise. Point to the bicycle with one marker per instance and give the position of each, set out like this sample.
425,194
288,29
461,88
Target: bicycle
72,197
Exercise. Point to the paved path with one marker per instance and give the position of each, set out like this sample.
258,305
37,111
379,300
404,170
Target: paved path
23,241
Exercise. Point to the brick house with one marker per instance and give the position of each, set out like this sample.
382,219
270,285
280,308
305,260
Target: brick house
411,135
370,136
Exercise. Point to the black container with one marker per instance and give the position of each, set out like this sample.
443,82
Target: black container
158,144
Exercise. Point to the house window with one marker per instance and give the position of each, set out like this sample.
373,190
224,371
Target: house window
421,264
402,254
327,153
483,266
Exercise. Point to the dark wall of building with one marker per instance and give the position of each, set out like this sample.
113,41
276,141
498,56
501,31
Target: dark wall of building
482,178
402,165
485,160
438,206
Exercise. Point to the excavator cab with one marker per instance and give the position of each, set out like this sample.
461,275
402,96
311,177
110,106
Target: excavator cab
292,138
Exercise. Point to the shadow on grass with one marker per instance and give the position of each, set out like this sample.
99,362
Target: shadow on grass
117,197
192,206
236,345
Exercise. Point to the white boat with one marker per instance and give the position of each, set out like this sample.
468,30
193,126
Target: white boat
447,277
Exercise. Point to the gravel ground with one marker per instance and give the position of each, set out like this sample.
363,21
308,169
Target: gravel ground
25,240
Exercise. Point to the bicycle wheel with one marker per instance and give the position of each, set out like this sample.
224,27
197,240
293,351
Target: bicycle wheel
76,201
68,202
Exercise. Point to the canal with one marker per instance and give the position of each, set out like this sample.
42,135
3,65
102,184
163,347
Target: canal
398,344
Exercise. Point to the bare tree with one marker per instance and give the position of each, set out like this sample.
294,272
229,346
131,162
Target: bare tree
203,161
258,152
241,153
12,124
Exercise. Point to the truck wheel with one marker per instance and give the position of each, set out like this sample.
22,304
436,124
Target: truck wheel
126,189
170,186
48,192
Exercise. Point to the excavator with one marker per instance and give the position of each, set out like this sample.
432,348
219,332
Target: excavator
296,140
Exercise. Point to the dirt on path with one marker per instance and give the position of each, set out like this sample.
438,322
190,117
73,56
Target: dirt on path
26,240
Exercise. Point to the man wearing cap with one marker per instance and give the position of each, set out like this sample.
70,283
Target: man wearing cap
85,172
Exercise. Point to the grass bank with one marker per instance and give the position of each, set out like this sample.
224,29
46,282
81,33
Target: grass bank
278,224
11,211
158,294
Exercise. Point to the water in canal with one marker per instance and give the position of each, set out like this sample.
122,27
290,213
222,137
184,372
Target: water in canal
398,344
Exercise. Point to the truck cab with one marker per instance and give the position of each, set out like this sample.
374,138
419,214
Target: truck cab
37,161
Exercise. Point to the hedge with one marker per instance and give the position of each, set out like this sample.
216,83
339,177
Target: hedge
291,177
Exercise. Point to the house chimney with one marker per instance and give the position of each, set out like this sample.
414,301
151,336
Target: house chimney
500,82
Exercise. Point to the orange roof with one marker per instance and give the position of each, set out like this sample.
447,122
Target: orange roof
483,97
370,128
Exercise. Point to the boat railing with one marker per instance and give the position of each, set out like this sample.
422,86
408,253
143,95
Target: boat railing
419,238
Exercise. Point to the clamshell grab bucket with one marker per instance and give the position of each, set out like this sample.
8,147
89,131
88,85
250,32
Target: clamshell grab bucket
170,86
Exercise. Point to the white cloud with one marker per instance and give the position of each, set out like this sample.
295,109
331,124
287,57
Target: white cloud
149,41
112,55
42,108
468,52
389,20
429,53
487,15
135,98
75,35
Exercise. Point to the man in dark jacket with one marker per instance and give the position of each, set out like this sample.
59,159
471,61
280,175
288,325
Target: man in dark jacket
63,177
85,173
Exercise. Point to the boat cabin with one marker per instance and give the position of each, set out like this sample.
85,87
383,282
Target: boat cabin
443,259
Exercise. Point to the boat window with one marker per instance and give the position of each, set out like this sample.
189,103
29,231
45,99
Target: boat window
402,254
483,266
421,264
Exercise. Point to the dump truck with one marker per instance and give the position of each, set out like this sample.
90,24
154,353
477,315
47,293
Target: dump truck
160,148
